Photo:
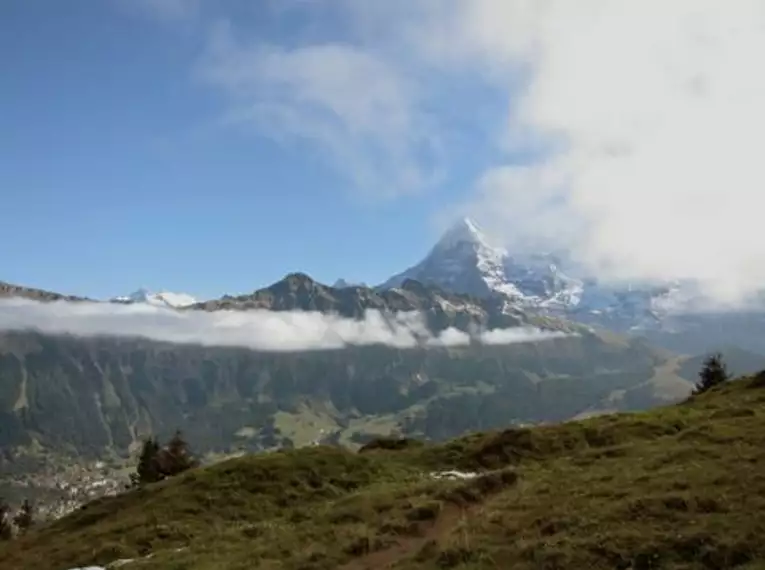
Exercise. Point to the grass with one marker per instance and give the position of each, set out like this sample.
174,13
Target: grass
679,487
305,427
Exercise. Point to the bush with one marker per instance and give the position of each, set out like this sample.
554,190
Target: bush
390,444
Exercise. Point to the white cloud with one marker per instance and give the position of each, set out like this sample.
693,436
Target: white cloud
656,108
357,108
257,329
520,334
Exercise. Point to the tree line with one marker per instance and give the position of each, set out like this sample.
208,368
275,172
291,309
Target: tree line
157,462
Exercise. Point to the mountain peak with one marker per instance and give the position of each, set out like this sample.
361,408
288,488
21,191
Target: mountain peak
463,230
299,278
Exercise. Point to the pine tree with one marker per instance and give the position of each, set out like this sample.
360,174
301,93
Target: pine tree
6,523
713,373
147,470
25,518
176,458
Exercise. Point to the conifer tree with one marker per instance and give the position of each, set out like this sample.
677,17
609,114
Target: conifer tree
158,462
176,458
25,519
147,470
712,373
6,523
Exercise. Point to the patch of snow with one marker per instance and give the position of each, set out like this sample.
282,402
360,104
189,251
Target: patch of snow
454,475
162,299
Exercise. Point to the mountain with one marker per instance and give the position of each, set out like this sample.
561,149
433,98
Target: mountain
465,261
675,315
675,488
162,299
462,261
342,284
92,397
8,290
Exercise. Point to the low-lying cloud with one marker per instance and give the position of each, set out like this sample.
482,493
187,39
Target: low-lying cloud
272,331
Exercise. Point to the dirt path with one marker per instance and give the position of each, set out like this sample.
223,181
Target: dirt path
409,546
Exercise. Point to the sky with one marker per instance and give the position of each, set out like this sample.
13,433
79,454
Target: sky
211,147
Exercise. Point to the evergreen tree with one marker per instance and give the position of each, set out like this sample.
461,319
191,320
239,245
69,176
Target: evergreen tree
25,519
176,458
148,469
6,522
158,462
713,373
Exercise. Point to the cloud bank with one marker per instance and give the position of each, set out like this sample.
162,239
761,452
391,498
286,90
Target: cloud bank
272,331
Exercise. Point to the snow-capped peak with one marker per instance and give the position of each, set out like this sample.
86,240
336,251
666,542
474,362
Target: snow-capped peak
161,299
466,230
462,261
465,260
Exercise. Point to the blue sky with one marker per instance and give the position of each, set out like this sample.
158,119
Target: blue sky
128,156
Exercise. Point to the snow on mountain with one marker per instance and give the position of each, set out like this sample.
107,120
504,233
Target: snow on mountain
160,299
465,261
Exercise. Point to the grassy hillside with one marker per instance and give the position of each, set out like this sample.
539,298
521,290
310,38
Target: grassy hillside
677,487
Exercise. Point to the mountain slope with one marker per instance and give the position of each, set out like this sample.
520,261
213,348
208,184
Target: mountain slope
662,489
